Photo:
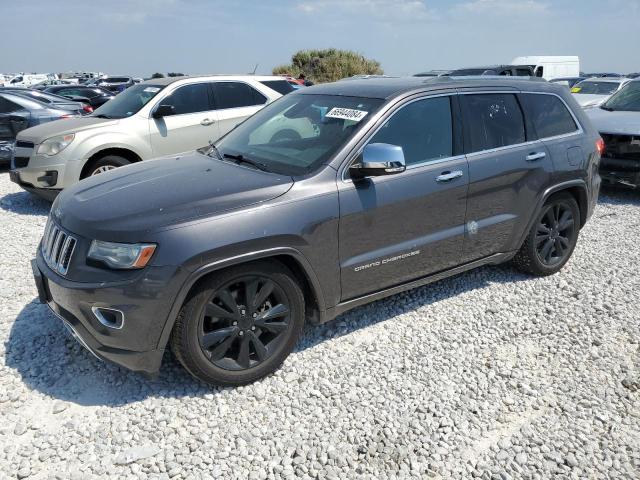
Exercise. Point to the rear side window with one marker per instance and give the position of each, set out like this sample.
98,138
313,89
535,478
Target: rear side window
548,114
423,129
281,86
7,106
493,120
523,72
236,94
190,99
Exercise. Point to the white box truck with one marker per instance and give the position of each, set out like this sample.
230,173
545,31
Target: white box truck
549,67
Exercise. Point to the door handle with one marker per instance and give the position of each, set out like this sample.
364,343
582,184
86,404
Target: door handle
448,176
532,157
207,121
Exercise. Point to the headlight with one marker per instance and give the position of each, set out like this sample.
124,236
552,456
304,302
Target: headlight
122,255
54,145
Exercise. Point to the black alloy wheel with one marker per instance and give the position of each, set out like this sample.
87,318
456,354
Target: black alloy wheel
554,234
244,323
239,324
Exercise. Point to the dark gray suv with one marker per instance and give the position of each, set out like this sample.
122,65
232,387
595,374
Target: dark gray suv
331,197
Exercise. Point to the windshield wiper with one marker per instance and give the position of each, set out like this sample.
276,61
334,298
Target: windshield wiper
247,161
608,109
102,115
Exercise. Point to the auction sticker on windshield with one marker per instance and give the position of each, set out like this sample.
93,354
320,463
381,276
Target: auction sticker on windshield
346,114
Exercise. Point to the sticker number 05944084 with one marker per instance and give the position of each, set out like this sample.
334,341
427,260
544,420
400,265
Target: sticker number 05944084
346,114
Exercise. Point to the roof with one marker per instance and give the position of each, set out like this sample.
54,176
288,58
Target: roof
385,88
606,79
169,80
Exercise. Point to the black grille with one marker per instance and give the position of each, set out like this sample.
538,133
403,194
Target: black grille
623,147
57,247
23,144
20,162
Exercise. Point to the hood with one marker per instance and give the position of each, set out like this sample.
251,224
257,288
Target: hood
62,127
584,99
127,203
623,123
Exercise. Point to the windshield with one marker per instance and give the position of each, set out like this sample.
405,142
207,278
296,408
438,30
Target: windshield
595,88
128,102
116,80
298,133
627,99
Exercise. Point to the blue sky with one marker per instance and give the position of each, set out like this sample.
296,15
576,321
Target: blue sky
140,37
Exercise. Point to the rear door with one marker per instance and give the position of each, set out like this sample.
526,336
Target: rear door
235,101
192,126
508,168
13,118
400,227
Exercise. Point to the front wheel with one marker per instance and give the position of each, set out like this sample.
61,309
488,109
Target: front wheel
104,164
240,324
552,238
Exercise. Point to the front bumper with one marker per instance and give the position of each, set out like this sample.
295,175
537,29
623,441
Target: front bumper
620,171
48,194
145,303
42,175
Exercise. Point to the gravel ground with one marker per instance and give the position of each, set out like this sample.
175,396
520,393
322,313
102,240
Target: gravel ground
491,374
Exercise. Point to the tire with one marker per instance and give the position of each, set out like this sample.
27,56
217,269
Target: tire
218,351
103,164
552,238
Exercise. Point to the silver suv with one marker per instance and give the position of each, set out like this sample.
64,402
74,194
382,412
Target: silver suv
151,119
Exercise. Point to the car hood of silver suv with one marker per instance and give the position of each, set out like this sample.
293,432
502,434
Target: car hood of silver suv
168,192
617,121
62,127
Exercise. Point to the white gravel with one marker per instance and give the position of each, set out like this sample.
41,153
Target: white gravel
491,374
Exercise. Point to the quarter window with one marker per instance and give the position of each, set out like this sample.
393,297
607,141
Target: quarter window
493,120
7,106
236,95
189,99
423,129
549,115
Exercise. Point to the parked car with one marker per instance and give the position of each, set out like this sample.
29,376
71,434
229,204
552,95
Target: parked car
226,255
154,118
48,83
501,70
592,92
18,112
433,73
95,96
551,66
116,84
567,81
618,121
81,108
28,79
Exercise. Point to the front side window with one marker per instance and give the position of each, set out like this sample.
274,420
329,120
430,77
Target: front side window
423,129
493,120
236,95
549,115
189,99
627,99
128,102
299,132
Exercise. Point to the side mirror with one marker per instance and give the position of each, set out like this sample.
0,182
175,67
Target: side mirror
164,111
379,159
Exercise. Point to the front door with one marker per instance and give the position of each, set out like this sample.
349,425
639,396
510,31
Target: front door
404,226
192,126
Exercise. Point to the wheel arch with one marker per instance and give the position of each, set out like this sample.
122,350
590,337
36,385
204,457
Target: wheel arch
289,257
127,153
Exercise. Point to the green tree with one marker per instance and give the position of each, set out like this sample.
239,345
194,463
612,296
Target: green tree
157,75
175,74
328,65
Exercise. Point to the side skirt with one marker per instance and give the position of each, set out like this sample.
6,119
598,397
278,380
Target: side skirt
342,307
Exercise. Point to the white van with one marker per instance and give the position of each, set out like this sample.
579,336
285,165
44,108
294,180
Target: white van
549,67
29,79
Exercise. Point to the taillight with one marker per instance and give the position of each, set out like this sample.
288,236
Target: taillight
600,146
88,108
67,116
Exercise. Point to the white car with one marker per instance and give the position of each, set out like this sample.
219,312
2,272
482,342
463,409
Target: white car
155,118
594,91
29,79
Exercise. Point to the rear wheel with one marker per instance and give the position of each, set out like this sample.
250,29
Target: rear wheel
552,238
104,164
240,324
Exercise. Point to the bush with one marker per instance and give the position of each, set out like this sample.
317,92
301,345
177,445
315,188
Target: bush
328,65
157,75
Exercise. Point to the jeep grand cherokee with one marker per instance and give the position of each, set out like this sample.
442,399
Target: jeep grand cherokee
367,188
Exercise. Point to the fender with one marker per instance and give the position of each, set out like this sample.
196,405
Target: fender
547,193
239,259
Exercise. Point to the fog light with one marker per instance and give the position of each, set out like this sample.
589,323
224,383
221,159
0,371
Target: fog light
50,177
109,317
